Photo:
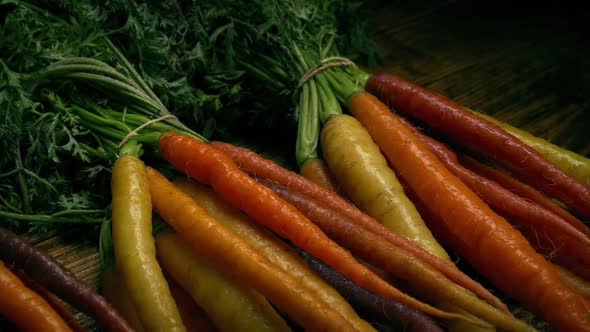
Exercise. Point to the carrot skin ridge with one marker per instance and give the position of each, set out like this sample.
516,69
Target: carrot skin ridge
481,135
398,262
235,256
25,308
522,190
261,167
52,300
213,167
567,241
370,305
487,240
57,279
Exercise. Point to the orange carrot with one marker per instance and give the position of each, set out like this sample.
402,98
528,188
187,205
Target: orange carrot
211,166
261,167
317,171
27,309
482,136
488,241
52,300
238,259
522,190
422,278
547,232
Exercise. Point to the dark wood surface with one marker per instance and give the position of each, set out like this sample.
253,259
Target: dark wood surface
529,66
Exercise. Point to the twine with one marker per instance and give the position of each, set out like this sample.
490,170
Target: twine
136,130
333,61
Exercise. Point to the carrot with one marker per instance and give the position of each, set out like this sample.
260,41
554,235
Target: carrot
261,167
375,308
48,272
232,304
27,309
522,190
483,136
571,163
134,246
271,247
567,245
487,240
581,286
115,291
195,319
377,251
52,300
361,169
231,254
317,171
210,166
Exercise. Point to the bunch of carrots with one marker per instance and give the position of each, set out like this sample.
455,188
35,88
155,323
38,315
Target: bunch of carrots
358,243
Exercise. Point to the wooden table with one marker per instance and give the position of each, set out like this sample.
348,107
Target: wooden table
493,58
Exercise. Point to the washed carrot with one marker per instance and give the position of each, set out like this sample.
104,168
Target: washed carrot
261,167
55,303
134,245
483,136
317,171
488,241
374,249
571,163
195,319
375,308
115,291
27,309
211,166
52,275
547,232
232,305
233,255
365,177
271,247
522,190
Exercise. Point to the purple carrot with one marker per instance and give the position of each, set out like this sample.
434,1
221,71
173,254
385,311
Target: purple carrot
45,270
370,306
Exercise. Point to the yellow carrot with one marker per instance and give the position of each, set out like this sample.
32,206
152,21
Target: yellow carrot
232,306
271,247
134,247
233,255
365,177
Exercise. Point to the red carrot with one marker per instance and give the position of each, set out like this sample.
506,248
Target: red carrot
398,262
211,166
482,136
521,190
48,272
261,167
545,230
487,240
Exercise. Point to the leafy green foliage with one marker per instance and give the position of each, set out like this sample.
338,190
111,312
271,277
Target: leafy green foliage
226,68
